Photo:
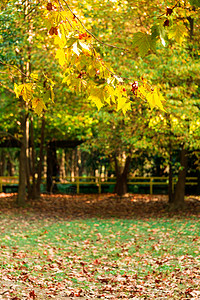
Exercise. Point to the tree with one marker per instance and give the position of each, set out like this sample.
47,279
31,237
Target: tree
83,68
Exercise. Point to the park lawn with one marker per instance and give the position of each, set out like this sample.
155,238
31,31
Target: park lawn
44,257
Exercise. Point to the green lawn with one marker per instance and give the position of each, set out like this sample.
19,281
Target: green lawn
147,258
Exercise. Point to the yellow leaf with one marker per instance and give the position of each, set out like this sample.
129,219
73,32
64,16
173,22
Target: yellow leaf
121,101
110,92
84,46
75,49
38,105
126,107
60,40
97,96
143,91
27,92
154,98
60,54
18,89
97,101
178,32
34,76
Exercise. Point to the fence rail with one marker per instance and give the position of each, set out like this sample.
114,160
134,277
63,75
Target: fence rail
100,181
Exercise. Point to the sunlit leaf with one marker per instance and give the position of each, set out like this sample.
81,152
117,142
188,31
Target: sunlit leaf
154,98
178,32
38,105
75,49
60,54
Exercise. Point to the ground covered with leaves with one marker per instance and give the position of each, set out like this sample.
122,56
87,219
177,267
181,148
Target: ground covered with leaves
99,247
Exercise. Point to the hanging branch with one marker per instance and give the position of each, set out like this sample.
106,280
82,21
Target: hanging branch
89,32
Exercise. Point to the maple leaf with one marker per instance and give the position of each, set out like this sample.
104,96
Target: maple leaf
27,92
59,41
18,89
97,95
144,42
75,49
109,92
38,105
60,54
154,98
178,32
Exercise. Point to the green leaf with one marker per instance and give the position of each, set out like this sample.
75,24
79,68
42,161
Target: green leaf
144,42
158,31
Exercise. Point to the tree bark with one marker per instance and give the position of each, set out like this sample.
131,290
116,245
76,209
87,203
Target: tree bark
24,170
62,165
21,198
52,168
122,175
2,162
178,200
32,187
170,188
198,183
41,159
10,165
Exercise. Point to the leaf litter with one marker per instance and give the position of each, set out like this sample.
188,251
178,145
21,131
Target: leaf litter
99,247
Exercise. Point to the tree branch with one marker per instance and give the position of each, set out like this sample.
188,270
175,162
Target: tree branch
7,88
90,33
9,134
12,66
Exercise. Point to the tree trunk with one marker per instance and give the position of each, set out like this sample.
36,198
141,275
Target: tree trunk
62,165
179,201
122,175
32,187
170,188
21,198
41,159
73,165
10,166
24,170
2,163
52,168
198,183
121,184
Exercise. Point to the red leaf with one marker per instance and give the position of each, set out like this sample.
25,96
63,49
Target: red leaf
32,295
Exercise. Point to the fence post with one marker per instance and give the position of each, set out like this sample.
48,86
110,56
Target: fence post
151,186
78,185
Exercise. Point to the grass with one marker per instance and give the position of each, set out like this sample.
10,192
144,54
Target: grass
145,258
89,254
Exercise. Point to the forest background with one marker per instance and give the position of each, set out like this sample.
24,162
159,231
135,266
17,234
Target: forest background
122,76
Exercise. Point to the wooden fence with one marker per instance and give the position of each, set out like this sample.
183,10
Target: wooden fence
100,181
